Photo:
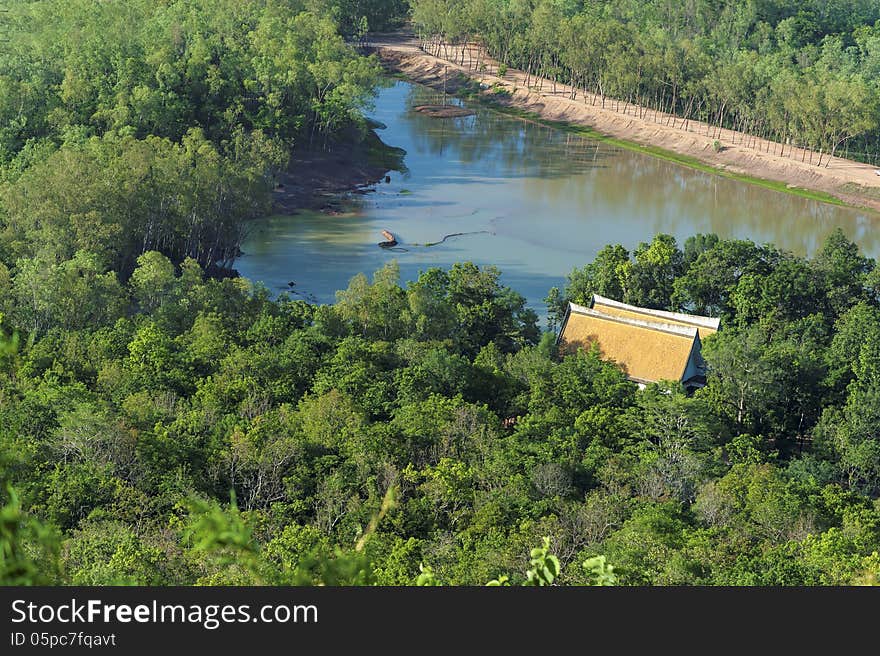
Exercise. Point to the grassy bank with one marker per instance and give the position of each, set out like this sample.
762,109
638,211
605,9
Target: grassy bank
470,91
466,88
661,153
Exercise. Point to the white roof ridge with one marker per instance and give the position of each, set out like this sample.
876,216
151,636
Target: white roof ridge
696,319
675,329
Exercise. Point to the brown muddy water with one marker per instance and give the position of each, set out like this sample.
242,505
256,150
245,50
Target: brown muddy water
533,200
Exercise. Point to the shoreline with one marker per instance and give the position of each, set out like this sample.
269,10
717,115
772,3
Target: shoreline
844,183
319,178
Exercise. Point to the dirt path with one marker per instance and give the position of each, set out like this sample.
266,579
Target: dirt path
852,182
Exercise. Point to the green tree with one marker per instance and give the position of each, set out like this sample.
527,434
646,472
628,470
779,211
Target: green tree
28,549
653,274
152,280
375,309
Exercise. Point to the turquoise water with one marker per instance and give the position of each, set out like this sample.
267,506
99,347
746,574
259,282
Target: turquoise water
539,202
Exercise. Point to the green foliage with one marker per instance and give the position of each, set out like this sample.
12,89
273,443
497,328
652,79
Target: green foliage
544,570
137,127
646,279
545,566
117,197
146,68
602,572
152,280
424,432
802,73
28,549
225,545
374,310
109,553
426,577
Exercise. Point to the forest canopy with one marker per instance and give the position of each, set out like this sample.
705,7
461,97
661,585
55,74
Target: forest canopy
165,423
138,126
803,73
192,430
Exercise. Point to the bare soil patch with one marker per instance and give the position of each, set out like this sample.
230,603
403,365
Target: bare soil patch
319,177
443,111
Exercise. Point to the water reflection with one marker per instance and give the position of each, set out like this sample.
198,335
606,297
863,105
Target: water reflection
548,199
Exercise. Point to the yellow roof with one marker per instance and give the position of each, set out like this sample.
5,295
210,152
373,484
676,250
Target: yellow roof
647,350
706,325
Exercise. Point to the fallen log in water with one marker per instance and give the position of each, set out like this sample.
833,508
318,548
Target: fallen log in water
389,240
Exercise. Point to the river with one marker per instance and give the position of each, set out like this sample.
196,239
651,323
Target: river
537,201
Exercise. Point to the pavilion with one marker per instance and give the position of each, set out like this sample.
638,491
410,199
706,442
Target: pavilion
649,345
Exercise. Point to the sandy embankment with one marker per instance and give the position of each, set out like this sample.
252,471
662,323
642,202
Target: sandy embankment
852,182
